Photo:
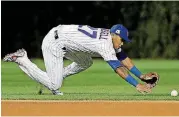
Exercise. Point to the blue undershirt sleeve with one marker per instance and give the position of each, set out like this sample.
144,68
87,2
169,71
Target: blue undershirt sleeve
114,64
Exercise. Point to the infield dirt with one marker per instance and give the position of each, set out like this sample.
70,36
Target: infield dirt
89,108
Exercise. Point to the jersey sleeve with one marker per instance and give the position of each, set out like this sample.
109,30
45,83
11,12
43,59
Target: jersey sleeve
109,55
107,52
111,59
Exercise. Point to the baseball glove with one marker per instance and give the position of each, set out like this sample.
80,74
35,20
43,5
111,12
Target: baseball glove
151,79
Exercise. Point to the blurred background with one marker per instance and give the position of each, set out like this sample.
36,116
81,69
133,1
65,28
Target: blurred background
153,25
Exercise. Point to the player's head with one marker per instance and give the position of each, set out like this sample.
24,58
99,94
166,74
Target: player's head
121,31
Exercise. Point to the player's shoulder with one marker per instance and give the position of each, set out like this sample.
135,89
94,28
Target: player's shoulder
86,25
74,24
69,26
66,25
82,25
77,25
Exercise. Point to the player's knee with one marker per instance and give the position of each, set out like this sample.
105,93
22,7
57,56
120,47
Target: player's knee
90,63
87,65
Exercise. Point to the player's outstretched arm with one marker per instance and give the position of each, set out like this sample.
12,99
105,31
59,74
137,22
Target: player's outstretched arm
128,63
142,88
151,78
121,71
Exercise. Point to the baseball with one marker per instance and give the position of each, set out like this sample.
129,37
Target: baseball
174,93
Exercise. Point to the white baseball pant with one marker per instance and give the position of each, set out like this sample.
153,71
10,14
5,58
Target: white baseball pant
53,59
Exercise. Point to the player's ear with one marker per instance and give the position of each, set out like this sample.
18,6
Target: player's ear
113,35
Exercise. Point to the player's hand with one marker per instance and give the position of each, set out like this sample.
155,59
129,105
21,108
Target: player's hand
143,88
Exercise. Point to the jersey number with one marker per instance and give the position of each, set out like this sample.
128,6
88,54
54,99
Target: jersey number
89,31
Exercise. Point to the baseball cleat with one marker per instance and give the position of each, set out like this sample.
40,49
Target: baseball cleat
40,89
12,57
56,92
40,92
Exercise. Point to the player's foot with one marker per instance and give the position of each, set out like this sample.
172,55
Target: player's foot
12,57
56,92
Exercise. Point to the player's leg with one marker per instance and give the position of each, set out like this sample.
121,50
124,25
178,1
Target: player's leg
80,63
54,67
31,75
20,57
53,58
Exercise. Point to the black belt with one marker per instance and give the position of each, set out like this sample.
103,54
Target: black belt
56,37
56,34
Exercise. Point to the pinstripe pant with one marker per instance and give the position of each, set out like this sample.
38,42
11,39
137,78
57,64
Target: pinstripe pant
53,59
81,61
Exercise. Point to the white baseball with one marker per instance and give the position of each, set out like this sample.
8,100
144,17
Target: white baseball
174,93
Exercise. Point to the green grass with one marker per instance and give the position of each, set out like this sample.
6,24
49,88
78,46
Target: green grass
99,82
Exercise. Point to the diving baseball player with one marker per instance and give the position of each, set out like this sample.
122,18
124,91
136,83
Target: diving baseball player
78,43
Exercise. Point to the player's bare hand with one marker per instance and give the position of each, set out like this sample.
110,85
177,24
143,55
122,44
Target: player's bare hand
143,88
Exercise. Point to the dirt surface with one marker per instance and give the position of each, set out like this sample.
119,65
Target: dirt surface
89,108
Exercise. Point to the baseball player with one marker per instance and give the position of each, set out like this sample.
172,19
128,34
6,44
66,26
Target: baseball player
78,43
